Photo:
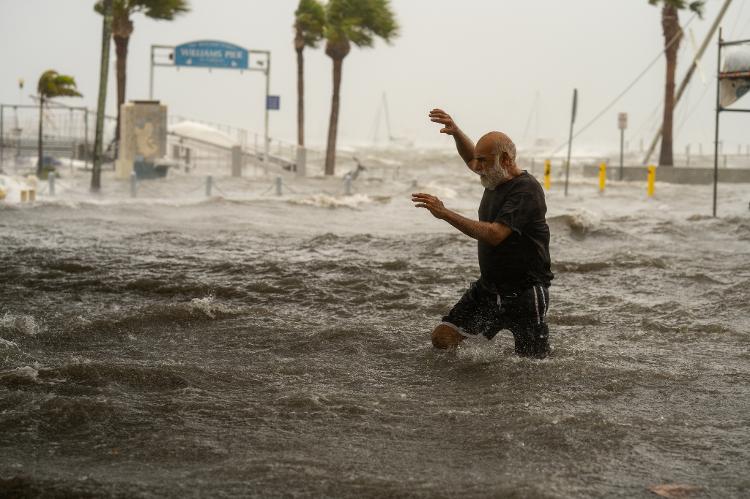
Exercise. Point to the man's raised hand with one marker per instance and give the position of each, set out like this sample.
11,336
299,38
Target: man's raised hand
430,202
440,116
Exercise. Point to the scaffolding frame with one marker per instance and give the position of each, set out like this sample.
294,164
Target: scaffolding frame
720,75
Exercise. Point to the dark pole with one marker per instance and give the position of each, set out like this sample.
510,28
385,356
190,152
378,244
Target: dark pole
622,143
570,137
716,129
96,170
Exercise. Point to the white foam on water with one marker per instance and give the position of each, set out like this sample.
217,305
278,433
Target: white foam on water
24,324
26,372
327,201
8,343
208,306
440,190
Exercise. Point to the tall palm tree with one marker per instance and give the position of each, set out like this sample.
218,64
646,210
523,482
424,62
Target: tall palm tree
347,22
96,170
309,22
670,24
122,28
51,84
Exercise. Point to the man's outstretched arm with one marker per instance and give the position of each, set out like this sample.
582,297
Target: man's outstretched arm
489,232
464,145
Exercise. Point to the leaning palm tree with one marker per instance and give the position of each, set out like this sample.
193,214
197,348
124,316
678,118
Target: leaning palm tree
122,28
51,84
347,22
670,24
309,21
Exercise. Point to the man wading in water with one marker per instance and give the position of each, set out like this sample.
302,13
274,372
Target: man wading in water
513,239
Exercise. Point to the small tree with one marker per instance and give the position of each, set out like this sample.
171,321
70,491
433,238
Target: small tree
309,22
347,22
122,28
51,84
670,24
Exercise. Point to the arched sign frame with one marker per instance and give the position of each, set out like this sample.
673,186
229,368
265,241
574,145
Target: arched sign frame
214,54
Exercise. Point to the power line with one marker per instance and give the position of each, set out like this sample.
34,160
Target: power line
627,89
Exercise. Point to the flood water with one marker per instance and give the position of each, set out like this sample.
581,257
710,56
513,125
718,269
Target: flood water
261,345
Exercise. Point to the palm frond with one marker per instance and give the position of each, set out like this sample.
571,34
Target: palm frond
309,22
696,6
52,84
360,21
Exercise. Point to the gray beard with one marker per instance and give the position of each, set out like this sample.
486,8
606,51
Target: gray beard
494,177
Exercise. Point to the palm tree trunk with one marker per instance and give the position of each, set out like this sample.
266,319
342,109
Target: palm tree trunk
333,123
40,144
300,98
121,50
96,170
671,29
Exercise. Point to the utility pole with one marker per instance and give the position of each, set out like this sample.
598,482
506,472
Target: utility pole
96,171
570,137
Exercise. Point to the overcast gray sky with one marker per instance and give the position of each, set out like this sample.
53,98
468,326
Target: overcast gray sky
502,64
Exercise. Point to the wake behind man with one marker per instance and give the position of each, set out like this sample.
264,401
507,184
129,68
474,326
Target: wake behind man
512,291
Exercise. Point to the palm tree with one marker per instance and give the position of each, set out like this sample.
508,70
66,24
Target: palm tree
309,22
122,28
96,170
670,24
347,22
51,84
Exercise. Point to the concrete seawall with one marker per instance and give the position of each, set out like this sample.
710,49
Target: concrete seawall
673,174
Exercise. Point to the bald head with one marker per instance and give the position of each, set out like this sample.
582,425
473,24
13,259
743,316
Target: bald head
497,143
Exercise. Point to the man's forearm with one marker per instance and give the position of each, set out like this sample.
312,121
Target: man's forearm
465,146
490,233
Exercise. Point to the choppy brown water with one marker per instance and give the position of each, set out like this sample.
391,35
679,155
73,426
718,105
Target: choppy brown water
272,347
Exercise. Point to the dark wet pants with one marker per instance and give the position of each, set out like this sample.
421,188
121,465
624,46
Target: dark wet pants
481,311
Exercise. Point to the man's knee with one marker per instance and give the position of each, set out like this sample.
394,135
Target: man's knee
445,337
532,341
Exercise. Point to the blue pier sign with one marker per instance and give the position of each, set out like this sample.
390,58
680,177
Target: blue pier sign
211,54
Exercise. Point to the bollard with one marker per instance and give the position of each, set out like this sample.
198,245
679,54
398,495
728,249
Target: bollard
51,181
301,165
651,179
24,195
278,186
602,177
547,174
32,195
236,161
209,185
133,185
348,185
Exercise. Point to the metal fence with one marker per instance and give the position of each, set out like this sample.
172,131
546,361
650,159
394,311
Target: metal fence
68,132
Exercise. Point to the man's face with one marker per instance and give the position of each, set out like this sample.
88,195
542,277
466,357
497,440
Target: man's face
490,169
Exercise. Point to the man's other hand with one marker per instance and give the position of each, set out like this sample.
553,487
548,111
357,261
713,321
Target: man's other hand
430,202
449,126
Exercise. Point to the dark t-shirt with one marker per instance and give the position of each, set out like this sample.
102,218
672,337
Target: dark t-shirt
522,259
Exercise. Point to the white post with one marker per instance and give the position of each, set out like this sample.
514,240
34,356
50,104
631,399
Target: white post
133,185
301,161
278,186
151,76
209,184
51,180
